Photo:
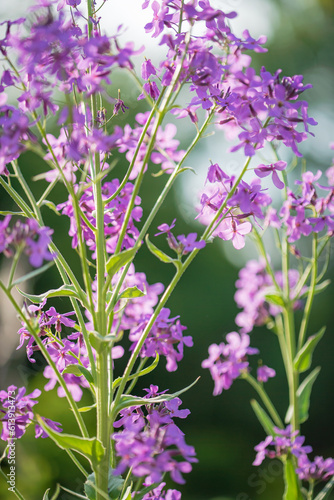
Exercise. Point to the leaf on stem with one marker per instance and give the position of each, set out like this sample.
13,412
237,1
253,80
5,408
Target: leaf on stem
292,490
145,371
51,206
263,417
317,289
119,260
115,484
63,291
91,448
275,298
303,359
128,400
324,493
79,370
33,274
304,394
131,293
160,254
100,342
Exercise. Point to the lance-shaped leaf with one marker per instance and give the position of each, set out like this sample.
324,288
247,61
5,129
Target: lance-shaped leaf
91,448
324,493
292,490
275,298
142,372
131,293
304,394
119,260
303,359
115,485
318,288
128,400
263,417
160,254
51,205
33,274
79,370
63,291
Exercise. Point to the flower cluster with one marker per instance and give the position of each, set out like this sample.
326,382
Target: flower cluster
228,360
164,151
151,443
233,203
256,108
115,209
181,244
17,413
70,350
28,237
286,442
254,288
165,338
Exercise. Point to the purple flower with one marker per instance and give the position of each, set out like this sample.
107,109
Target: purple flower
57,319
319,470
165,228
264,373
151,444
227,361
189,243
283,443
264,170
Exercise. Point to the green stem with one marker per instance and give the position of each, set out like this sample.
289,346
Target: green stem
311,293
265,399
289,330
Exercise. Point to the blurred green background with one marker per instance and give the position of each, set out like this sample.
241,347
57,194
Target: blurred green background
224,429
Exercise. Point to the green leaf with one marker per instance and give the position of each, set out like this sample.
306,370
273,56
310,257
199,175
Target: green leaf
160,254
141,373
84,409
51,205
292,490
119,260
318,288
100,342
127,494
63,291
275,298
128,400
79,370
54,496
303,359
304,394
131,293
115,485
90,448
324,493
34,273
146,490
263,417
46,495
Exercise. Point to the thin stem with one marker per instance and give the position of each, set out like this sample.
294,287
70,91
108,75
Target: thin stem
311,293
265,399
